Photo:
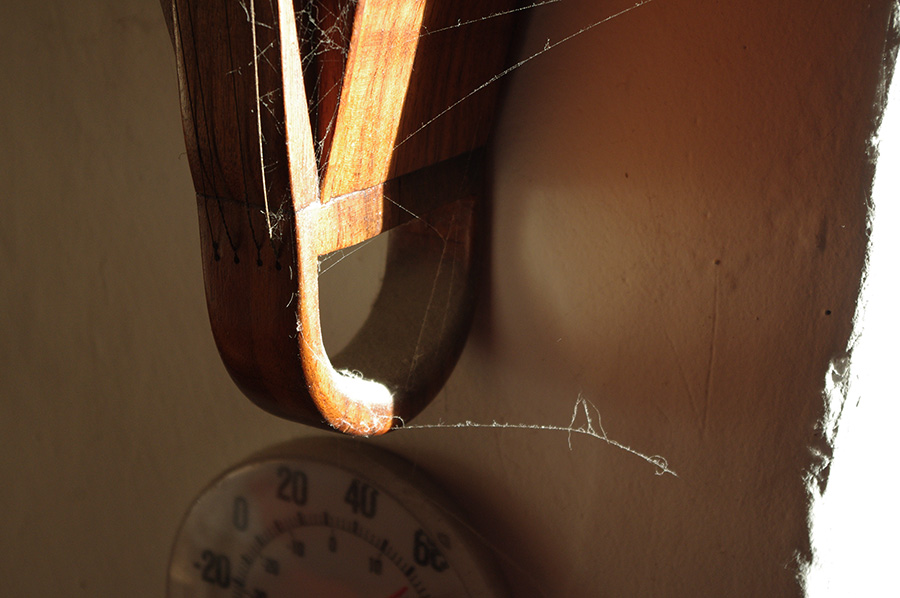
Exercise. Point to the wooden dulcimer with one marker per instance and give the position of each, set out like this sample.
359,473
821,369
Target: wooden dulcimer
311,127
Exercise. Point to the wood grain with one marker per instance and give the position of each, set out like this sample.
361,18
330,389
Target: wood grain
296,153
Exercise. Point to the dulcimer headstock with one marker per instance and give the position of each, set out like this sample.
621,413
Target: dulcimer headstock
311,127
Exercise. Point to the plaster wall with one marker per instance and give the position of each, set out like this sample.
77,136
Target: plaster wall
679,234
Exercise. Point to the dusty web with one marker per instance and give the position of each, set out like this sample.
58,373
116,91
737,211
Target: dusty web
585,421
585,418
325,30
548,46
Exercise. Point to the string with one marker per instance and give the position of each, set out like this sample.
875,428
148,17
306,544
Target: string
501,13
262,165
547,47
208,179
237,120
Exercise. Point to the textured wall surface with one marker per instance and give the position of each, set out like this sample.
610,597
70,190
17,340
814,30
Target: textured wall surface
680,226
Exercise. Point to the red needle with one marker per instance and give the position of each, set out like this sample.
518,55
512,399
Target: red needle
398,593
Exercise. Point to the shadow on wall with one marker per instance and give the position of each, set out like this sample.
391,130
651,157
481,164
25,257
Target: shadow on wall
679,232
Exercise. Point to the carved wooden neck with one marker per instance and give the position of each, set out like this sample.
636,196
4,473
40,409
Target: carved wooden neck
297,152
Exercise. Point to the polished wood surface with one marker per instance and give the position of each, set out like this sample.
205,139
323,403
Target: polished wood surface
301,144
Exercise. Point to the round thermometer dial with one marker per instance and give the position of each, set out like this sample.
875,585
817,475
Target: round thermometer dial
330,518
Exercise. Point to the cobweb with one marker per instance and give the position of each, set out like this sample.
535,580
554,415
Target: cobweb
585,418
325,30
585,421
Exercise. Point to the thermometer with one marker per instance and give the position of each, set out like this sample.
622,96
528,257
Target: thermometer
327,518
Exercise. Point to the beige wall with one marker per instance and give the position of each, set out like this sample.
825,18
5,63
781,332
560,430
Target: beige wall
680,212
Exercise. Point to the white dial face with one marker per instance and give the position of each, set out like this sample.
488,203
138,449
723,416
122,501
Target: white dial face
324,519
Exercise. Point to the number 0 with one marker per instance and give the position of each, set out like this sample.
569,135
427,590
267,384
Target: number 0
240,515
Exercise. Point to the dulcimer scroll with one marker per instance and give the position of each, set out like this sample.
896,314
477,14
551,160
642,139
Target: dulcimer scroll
312,126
